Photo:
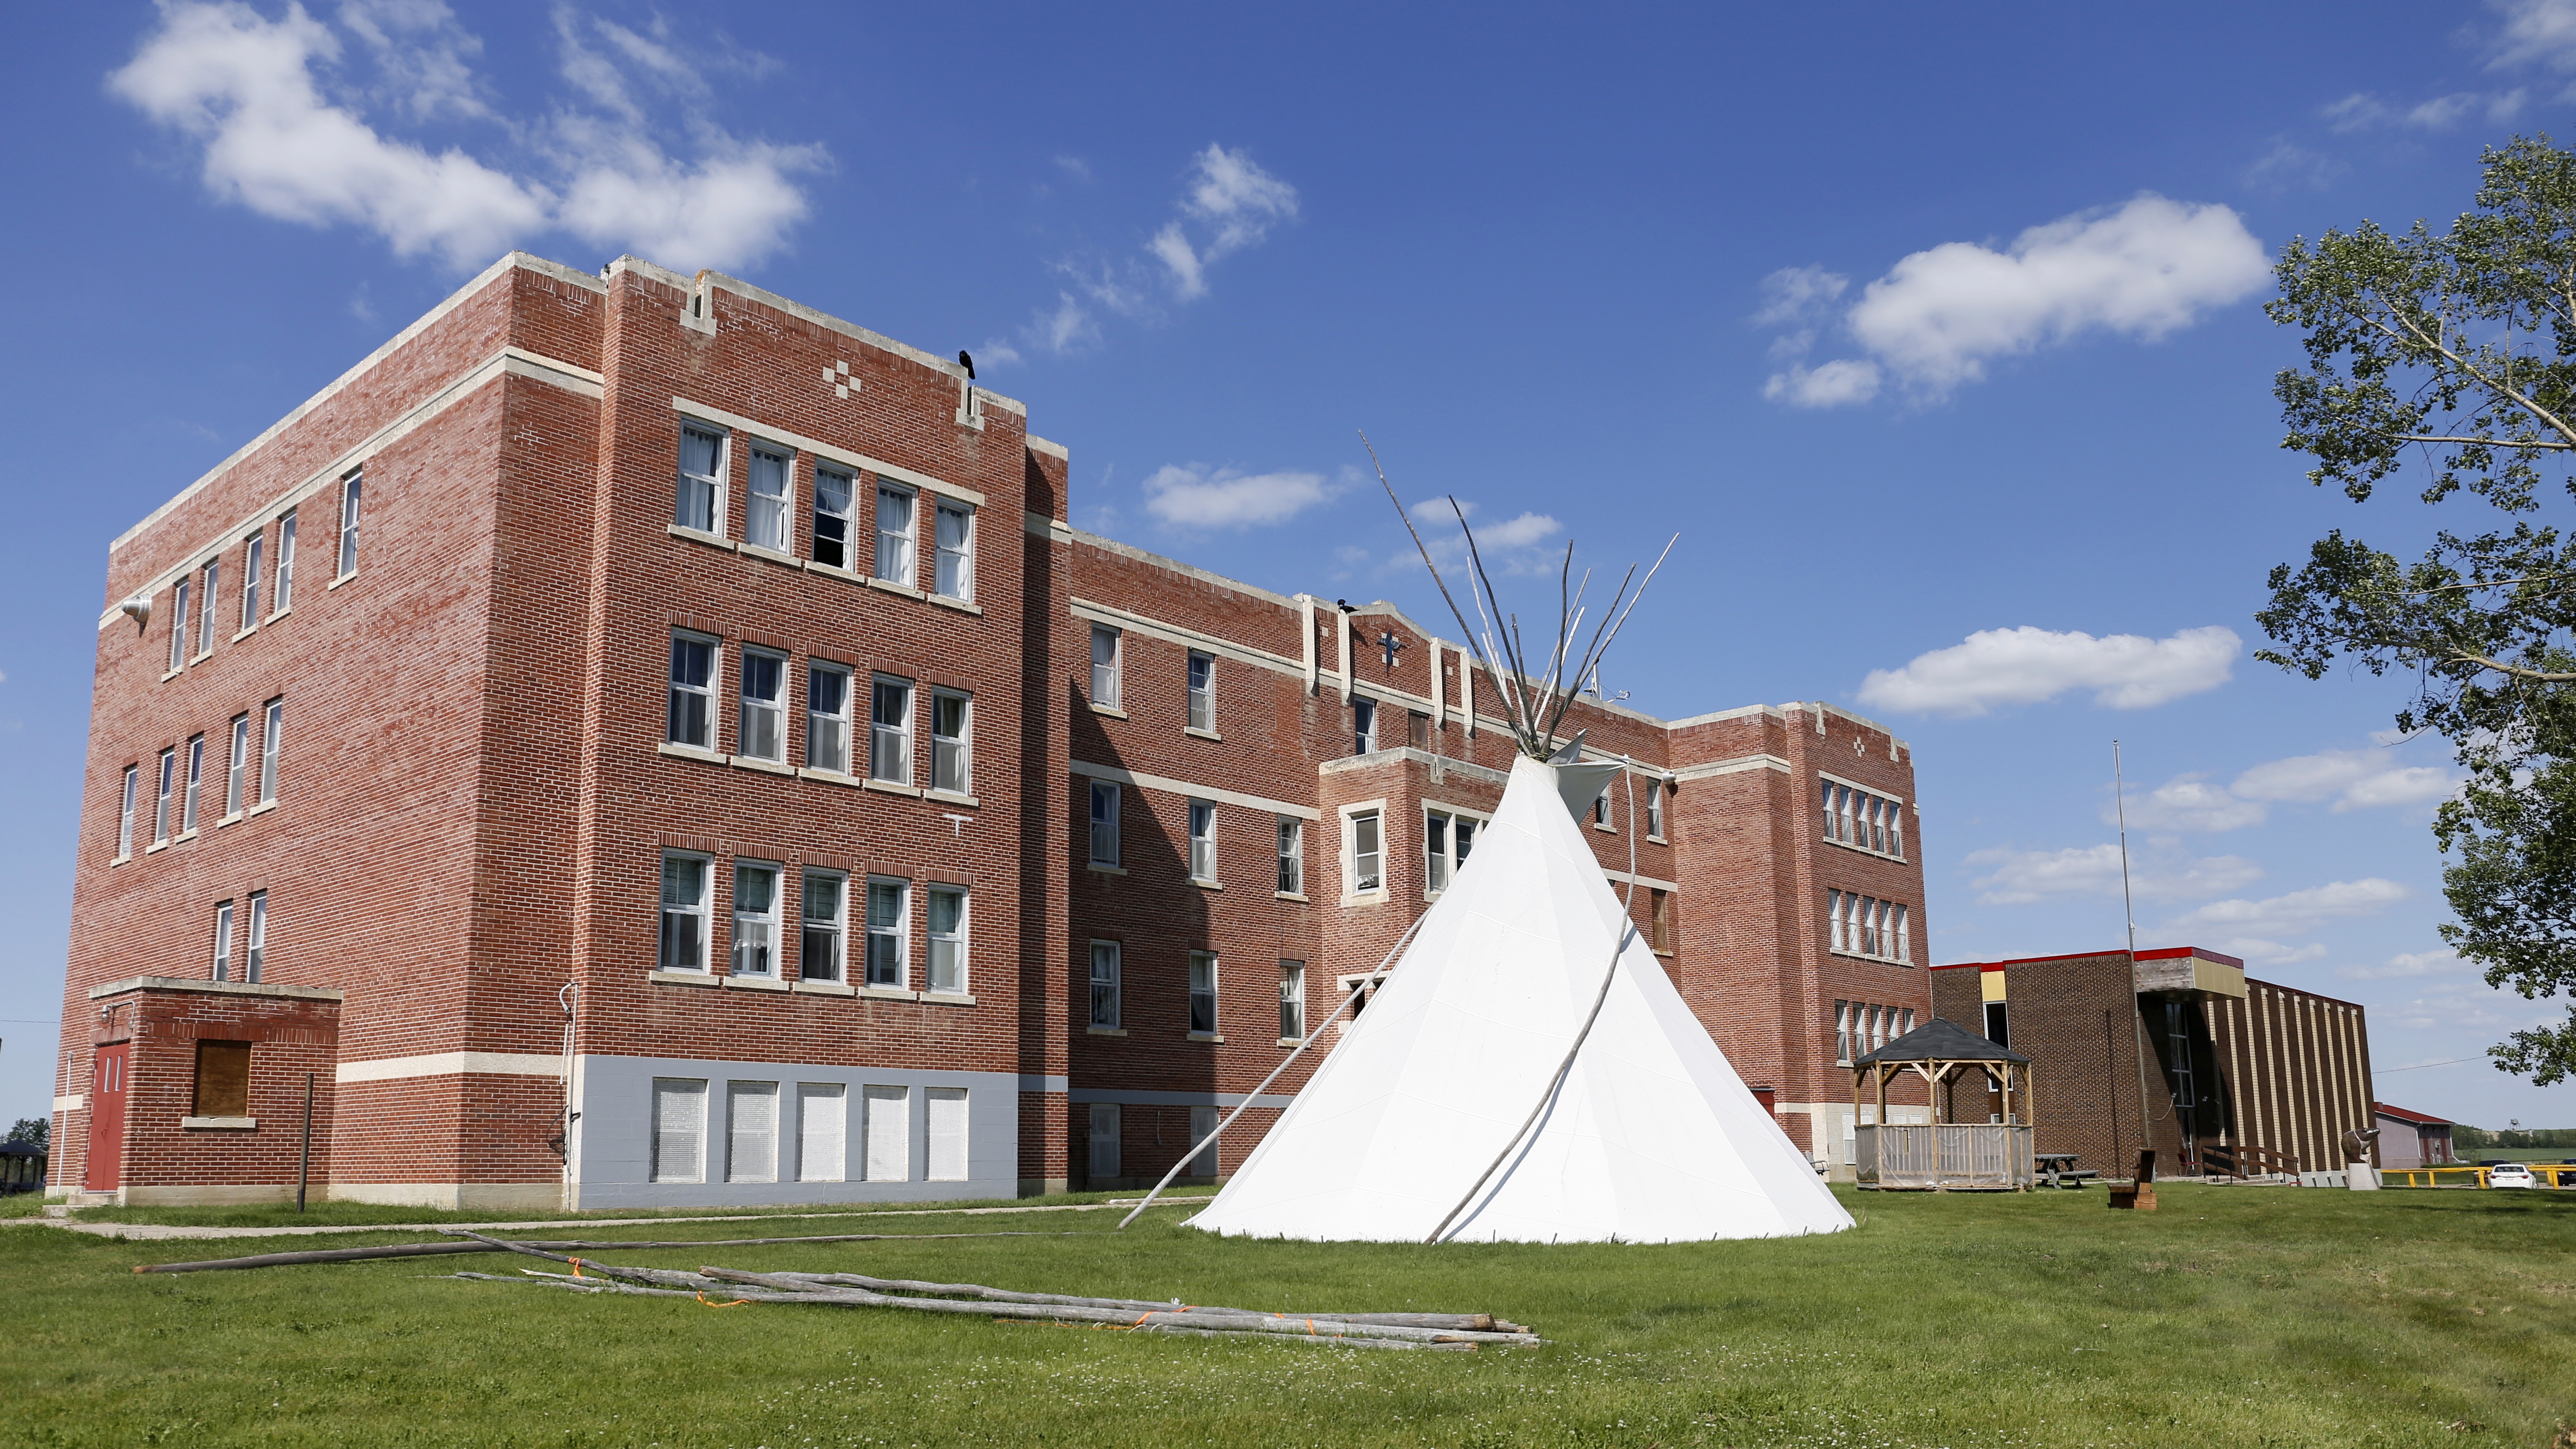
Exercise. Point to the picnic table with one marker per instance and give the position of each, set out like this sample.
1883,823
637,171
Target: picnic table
2058,1169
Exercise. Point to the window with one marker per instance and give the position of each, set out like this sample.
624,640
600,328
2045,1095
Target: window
1655,810
691,720
947,1134
178,626
1363,726
1202,711
1601,809
953,572
237,768
764,518
272,735
825,896
1203,993
822,1131
679,1130
951,760
684,913
1367,853
1659,917
751,1131
1842,1033
895,548
890,732
761,731
1464,832
224,941
755,919
889,927
700,503
251,548
196,778
832,518
1446,839
1292,856
1203,1122
1104,667
223,1079
887,1125
1417,729
348,525
1202,841
285,563
1104,823
161,801
1862,820
125,817
1998,1024
1102,1141
1858,925
947,941
1292,1000
206,608
1104,985
827,718
255,947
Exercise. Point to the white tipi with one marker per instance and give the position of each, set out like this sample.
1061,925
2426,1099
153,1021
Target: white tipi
1651,1137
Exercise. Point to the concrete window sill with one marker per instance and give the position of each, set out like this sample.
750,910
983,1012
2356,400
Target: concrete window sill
1095,867
754,983
262,808
963,606
1298,896
335,583
771,767
1292,1041
280,614
947,998
1111,710
1206,885
951,797
220,1124
830,777
711,540
122,859
158,846
753,550
246,633
683,978
891,587
1206,1036
166,678
693,752
888,993
1104,1031
1195,732
823,988
233,818
890,787
847,576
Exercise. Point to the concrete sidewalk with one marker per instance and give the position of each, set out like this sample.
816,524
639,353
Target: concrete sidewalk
158,1232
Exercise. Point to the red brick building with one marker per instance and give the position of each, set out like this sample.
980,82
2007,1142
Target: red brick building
636,739
2174,1049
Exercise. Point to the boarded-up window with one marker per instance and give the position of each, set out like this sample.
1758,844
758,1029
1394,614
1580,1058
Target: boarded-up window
679,1129
822,1126
947,1134
888,1127
223,1079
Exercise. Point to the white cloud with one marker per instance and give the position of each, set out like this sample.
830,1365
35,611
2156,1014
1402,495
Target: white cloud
2289,164
2019,877
2537,32
1231,197
251,92
2189,803
1843,380
1189,274
1194,496
2028,665
2269,953
2443,962
1792,294
2296,913
2357,779
2363,111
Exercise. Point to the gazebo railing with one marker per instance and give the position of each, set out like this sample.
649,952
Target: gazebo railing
1951,1156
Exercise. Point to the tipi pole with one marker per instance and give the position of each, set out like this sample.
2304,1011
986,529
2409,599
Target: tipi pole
1313,1031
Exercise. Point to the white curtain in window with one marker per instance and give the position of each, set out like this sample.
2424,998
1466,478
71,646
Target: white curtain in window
894,536
947,1134
889,1134
751,1132
822,1131
956,577
679,1130
764,524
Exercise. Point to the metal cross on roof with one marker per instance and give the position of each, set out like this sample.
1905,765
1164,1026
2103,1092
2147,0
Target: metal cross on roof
1387,641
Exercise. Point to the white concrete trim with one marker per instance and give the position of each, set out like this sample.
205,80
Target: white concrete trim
1052,450
821,449
1170,786
1053,530
1093,613
429,319
1877,790
452,1064
1448,764
1735,766
215,988
1623,878
72,1103
878,340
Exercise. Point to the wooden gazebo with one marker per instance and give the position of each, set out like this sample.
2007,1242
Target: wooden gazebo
1944,1156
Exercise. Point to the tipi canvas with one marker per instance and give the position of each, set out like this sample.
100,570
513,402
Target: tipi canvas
1651,1138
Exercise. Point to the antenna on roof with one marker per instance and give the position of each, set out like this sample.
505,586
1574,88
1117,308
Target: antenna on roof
2120,802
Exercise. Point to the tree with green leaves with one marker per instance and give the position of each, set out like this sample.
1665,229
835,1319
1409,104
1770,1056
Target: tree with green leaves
2455,353
32,1129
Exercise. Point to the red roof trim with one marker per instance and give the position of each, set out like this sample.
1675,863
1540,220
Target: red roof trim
2166,953
2402,1115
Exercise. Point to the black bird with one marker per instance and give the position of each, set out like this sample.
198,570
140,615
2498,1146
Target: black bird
966,360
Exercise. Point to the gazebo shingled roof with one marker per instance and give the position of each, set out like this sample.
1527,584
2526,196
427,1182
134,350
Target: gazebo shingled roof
1940,1040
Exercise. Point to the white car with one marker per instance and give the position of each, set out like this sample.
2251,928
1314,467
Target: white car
2510,1174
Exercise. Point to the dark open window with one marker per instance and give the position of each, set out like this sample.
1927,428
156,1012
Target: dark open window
223,1079
1998,1028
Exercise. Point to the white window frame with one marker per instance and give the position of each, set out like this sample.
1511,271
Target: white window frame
887,1127
770,513
196,748
1842,1033
282,593
1351,816
755,932
947,1157
209,586
681,914
827,732
703,692
833,930
255,939
670,1093
1104,823
1202,840
1203,994
953,565
890,738
237,767
223,941
822,1133
949,973
351,499
253,548
125,812
952,756
1106,691
1868,927
272,744
1105,978
1654,809
1364,722
1857,817
845,516
161,797
1199,681
889,943
1455,848
709,487
179,623
751,710
742,1137
1292,856
902,547
1292,1000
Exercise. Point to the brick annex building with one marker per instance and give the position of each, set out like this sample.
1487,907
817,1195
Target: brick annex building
635,739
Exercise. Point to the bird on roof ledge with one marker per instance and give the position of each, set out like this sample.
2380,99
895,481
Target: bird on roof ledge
966,360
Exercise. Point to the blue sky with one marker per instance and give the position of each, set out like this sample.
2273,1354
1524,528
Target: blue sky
1936,336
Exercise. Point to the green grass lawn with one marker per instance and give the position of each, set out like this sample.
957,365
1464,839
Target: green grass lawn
2234,1316
361,1214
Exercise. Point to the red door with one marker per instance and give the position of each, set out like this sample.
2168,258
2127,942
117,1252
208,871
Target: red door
107,1117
